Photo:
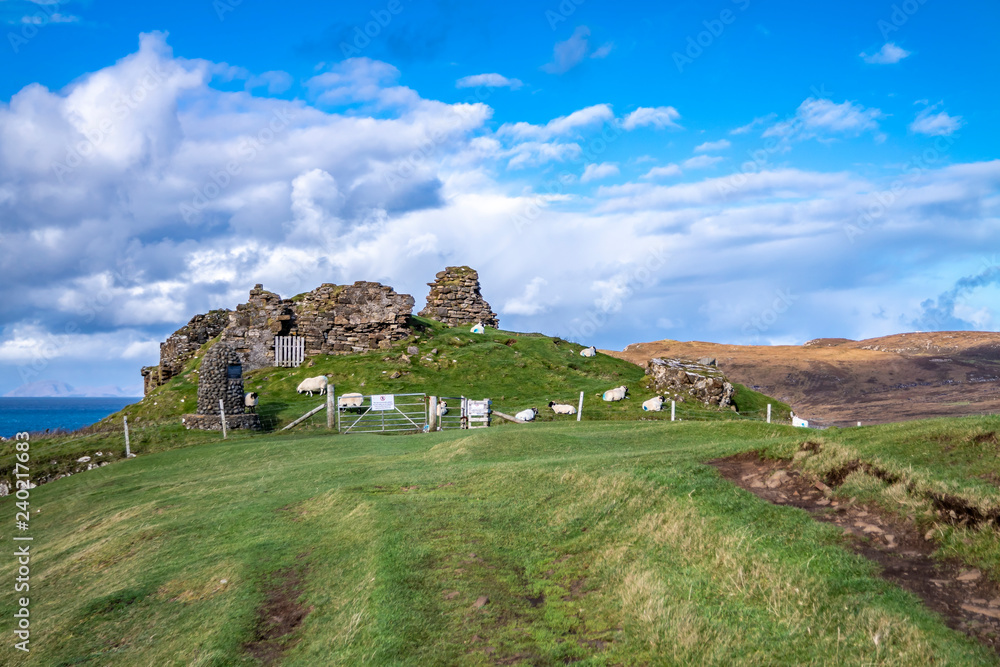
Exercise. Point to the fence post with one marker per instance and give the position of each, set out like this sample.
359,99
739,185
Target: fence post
673,410
579,411
768,413
432,413
329,405
222,415
128,452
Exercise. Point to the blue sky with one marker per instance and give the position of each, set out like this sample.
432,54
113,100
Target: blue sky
736,171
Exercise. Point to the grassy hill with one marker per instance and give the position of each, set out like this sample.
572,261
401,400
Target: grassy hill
597,543
517,371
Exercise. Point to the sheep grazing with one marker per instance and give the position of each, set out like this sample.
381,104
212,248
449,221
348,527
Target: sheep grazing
310,385
350,401
616,394
250,402
589,352
654,404
479,328
527,415
562,408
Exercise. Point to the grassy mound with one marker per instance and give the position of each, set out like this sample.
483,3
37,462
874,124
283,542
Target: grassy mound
606,543
517,371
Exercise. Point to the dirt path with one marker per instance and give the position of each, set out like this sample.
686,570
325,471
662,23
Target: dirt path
967,600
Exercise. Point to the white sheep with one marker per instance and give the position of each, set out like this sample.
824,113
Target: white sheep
562,408
310,385
479,328
527,415
654,404
250,401
442,408
589,352
616,394
345,401
799,422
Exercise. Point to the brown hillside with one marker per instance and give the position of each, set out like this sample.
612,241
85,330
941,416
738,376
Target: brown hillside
840,381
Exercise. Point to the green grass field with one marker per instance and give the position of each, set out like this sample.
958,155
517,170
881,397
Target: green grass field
600,543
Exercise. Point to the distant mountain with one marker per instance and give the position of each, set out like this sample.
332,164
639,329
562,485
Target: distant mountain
836,381
55,389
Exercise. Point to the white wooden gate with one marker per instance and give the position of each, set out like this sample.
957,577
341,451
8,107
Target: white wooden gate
289,350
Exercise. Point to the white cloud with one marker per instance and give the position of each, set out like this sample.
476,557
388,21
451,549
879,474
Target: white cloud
595,172
709,146
701,162
489,81
755,123
567,55
275,82
938,124
662,172
820,118
658,117
589,117
603,51
530,302
889,54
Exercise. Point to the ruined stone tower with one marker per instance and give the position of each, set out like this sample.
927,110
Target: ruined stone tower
455,299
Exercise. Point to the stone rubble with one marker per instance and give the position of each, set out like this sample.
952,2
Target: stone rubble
679,378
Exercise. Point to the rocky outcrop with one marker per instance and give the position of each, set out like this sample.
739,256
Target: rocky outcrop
178,349
455,299
677,378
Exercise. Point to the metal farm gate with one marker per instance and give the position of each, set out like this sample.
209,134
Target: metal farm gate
463,412
289,350
390,413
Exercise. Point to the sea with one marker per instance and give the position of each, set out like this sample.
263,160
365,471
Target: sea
36,415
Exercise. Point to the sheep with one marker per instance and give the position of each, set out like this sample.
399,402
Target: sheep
616,394
479,328
799,422
654,404
442,409
346,401
589,352
250,402
527,415
310,385
562,408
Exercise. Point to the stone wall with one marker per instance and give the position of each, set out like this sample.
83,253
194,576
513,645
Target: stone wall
214,422
214,382
455,299
677,379
333,319
178,349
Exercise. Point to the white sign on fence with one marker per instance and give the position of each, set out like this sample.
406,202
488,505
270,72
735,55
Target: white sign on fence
384,402
479,408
